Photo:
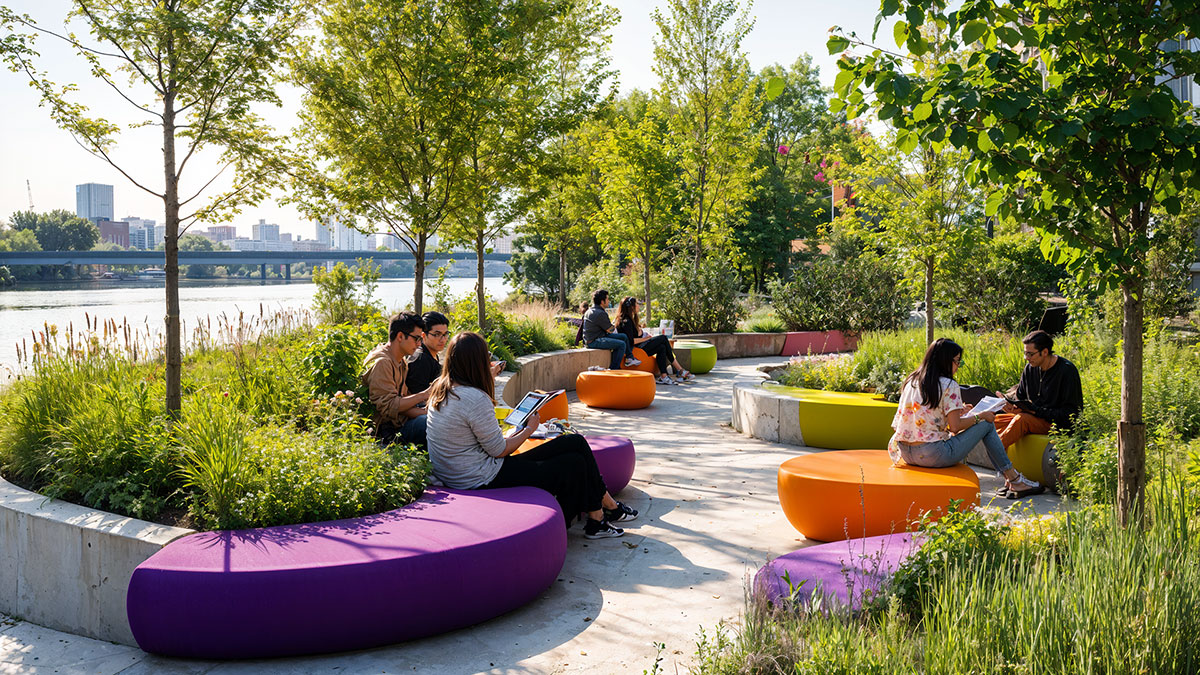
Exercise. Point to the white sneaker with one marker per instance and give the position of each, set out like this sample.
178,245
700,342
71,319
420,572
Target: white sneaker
632,362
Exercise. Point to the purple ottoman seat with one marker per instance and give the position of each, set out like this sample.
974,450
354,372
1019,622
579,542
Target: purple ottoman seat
615,459
451,559
841,571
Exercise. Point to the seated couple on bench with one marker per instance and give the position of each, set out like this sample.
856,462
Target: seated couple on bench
598,332
934,428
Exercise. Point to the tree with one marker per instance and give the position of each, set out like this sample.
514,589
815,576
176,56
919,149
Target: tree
640,191
20,240
195,242
386,95
58,230
1067,106
192,68
788,202
705,82
911,203
545,78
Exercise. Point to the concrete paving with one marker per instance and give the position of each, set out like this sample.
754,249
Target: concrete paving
709,519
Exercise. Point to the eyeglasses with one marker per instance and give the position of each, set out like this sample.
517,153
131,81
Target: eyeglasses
438,335
958,360
1029,354
416,337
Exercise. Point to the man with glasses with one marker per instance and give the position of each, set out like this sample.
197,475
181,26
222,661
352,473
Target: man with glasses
397,411
1049,387
423,365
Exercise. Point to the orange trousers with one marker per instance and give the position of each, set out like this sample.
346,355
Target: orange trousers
1013,428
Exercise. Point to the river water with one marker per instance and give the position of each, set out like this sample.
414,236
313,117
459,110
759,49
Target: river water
28,307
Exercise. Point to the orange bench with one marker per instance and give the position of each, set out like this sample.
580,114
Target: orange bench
619,389
847,494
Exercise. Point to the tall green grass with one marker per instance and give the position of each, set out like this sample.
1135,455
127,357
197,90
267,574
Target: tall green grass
1090,596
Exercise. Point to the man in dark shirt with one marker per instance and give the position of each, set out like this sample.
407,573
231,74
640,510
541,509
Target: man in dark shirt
1051,386
423,365
599,333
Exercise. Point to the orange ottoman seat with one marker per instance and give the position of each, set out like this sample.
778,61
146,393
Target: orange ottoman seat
647,364
619,389
841,494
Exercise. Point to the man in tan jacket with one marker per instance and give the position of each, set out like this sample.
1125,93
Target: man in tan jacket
397,411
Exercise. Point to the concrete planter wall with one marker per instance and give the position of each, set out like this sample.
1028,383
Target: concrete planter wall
762,414
739,345
818,342
68,567
549,371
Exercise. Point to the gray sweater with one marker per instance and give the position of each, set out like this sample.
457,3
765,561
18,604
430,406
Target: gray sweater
464,439
595,324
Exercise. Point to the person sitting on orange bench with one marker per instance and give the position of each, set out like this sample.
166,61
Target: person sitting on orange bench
1049,388
629,323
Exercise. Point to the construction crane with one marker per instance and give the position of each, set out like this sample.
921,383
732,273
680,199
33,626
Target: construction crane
29,191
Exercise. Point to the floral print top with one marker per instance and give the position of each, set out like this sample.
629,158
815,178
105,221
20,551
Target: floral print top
918,423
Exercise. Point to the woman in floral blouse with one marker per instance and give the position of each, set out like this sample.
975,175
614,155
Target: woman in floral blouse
934,428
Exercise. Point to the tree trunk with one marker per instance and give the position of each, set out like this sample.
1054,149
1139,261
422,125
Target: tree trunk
929,301
419,273
646,276
562,276
479,297
174,346
1131,431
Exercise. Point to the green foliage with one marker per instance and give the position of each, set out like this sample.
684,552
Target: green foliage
996,284
333,360
884,359
58,230
701,300
195,242
336,299
600,274
856,294
1002,593
86,423
762,320
512,335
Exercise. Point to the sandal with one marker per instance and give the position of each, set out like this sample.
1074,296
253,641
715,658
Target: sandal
1023,487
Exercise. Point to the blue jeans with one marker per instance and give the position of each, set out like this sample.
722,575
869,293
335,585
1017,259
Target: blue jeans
412,430
618,343
953,450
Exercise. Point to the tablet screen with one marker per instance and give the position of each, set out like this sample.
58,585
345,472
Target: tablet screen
527,405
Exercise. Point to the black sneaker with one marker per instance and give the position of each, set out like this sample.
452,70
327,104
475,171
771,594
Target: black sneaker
621,514
600,529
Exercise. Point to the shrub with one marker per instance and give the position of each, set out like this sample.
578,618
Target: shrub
336,300
700,301
333,360
856,294
600,274
511,336
997,284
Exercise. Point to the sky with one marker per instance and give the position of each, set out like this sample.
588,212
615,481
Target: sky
32,148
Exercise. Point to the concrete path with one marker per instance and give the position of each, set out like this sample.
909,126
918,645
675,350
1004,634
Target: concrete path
709,519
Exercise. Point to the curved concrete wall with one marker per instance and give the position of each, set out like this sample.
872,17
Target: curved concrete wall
763,414
549,371
68,567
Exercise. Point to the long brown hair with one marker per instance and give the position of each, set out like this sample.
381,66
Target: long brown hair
628,310
466,363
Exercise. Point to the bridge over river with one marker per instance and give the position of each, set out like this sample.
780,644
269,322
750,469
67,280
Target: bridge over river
260,258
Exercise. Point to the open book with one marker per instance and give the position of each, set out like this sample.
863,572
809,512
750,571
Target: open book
988,404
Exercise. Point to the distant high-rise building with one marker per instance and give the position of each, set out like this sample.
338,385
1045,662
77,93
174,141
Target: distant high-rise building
264,231
94,201
141,233
114,232
221,233
342,237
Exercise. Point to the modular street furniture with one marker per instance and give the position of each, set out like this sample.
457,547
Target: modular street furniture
451,559
614,455
841,573
617,389
841,420
647,364
846,494
696,356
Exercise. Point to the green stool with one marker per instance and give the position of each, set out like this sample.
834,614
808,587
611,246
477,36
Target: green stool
696,356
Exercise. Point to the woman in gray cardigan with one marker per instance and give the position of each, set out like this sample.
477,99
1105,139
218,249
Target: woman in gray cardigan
469,451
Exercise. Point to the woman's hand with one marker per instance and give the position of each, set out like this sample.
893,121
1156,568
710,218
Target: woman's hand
497,368
988,417
532,422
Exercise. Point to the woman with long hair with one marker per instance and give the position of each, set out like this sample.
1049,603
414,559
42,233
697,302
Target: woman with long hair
469,451
629,322
934,428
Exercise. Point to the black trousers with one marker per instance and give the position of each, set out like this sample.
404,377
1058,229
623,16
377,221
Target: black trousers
564,466
660,348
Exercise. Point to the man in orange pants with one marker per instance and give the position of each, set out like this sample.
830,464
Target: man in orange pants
1049,392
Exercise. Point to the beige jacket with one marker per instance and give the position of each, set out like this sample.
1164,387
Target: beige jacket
384,377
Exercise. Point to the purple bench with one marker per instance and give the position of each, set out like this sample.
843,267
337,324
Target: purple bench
615,459
841,571
451,559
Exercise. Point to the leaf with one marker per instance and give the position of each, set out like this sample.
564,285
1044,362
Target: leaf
775,85
922,112
983,142
900,32
973,31
837,44
992,206
841,83
958,135
1172,205
906,141
902,86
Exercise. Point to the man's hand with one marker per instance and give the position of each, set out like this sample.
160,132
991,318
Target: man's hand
1011,409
